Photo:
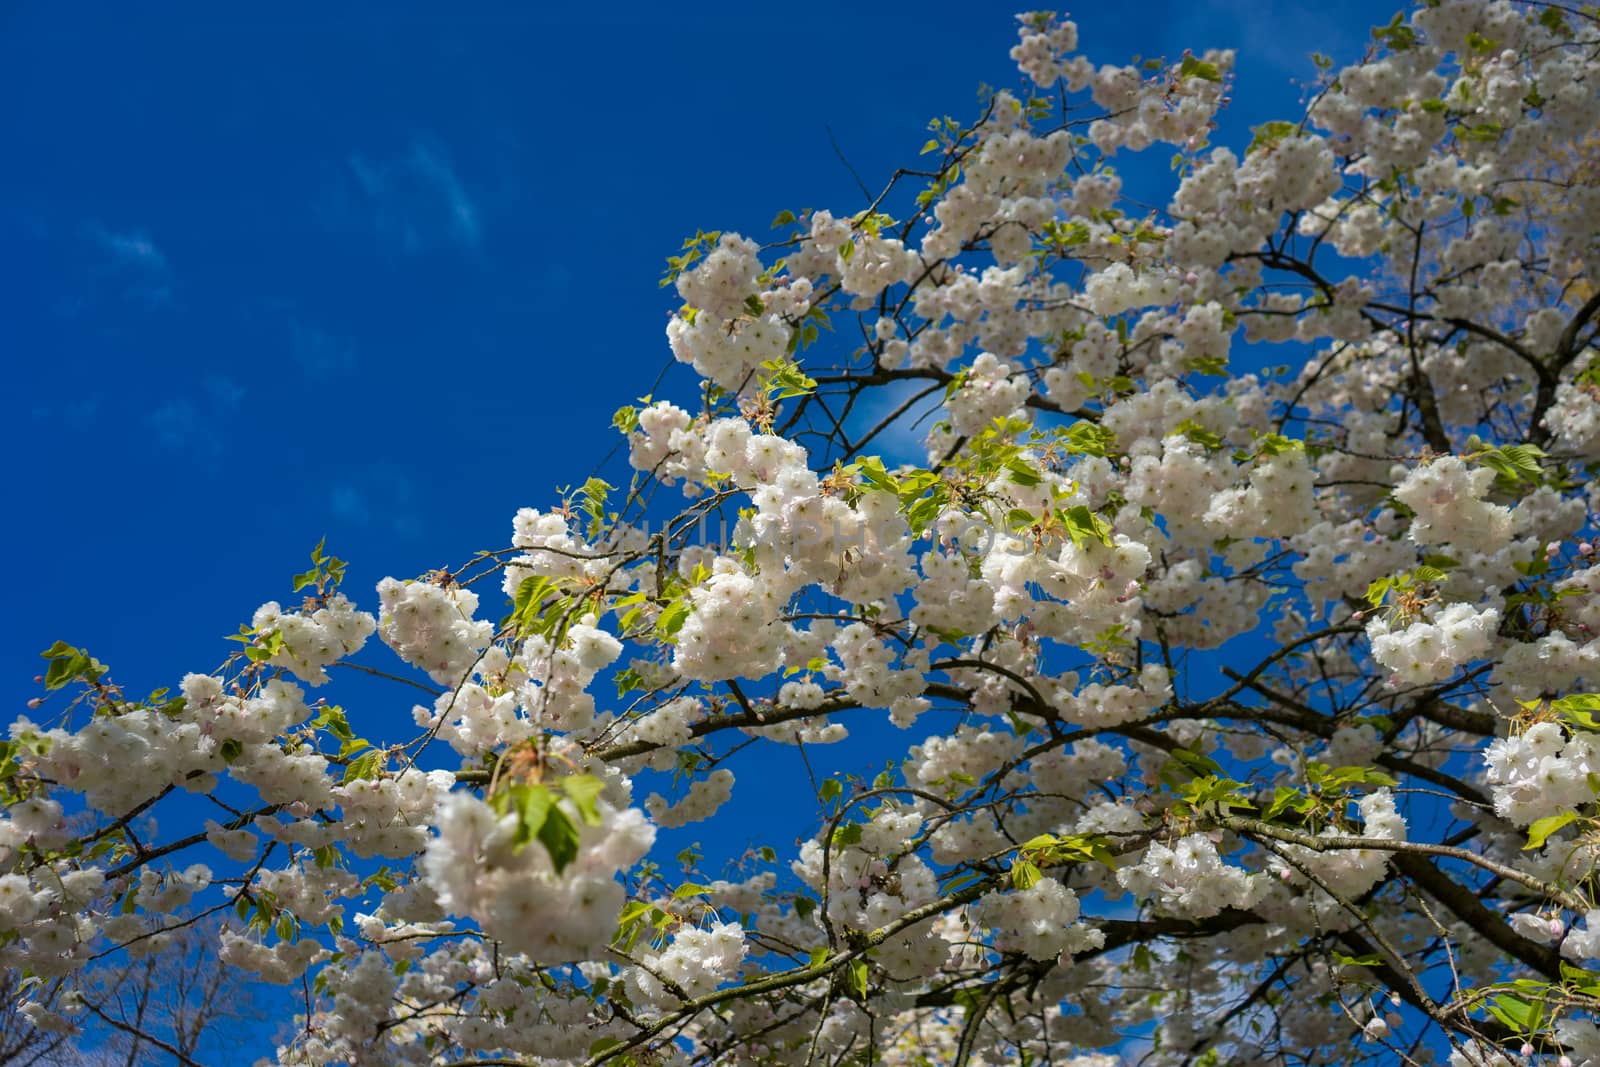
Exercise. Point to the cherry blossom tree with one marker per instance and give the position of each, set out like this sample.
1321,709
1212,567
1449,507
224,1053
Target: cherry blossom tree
1236,616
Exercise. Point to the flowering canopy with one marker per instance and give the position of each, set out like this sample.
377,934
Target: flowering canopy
1248,706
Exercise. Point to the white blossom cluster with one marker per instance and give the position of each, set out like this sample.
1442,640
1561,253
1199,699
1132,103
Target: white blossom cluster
1190,879
1541,772
1448,499
312,641
478,870
1040,921
1432,648
433,627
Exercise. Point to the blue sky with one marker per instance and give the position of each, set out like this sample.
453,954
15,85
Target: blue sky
381,272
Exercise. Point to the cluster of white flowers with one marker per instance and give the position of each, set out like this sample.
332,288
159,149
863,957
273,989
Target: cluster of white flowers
1042,49
694,963
551,548
432,627
1448,499
1277,503
165,893
863,891
279,963
667,727
1574,418
1040,921
1583,944
1433,647
702,801
1349,873
990,389
1542,771
312,641
46,910
1095,586
729,327
728,352
390,816
1190,879
1101,705
732,630
118,761
478,869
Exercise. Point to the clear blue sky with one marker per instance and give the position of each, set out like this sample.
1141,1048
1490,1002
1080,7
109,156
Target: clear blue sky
381,272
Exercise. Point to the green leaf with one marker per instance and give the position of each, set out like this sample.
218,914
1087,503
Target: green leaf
1397,35
672,618
1370,959
1201,436
1020,519
1520,1015
64,669
332,719
1270,133
1541,829
1195,68
1196,762
1089,438
872,470
1554,20
1025,875
559,837
1282,798
584,790
932,145
532,804
856,978
1084,525
364,767
1022,474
